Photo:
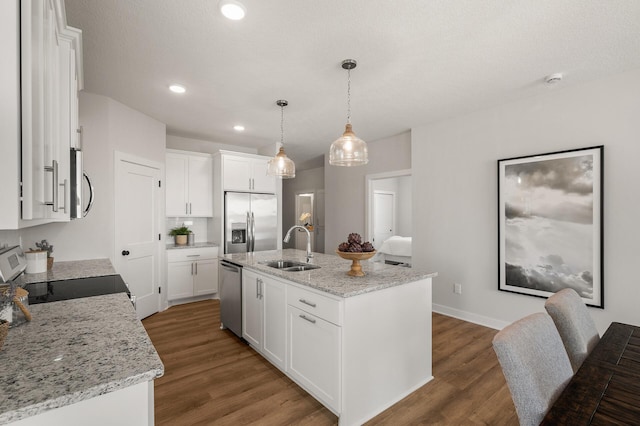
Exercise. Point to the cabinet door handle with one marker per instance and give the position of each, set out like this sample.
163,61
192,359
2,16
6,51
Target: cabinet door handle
186,208
65,185
304,317
259,288
53,168
313,305
196,267
193,255
192,269
190,210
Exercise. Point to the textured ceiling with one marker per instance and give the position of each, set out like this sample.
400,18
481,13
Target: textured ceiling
418,61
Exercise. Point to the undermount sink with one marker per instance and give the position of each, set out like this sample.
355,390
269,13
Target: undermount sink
298,268
290,265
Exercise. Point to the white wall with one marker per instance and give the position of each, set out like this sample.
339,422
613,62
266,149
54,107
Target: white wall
108,126
345,188
199,145
455,194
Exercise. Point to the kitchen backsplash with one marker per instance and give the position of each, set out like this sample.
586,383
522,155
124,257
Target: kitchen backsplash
200,227
9,238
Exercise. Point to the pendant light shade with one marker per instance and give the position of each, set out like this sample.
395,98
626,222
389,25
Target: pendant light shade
348,150
281,165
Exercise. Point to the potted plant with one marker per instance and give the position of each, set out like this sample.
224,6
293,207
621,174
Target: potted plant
180,234
43,245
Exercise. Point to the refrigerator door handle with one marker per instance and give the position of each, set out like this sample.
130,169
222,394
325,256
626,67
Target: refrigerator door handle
248,228
253,232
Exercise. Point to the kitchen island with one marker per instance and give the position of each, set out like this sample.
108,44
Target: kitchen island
78,362
357,344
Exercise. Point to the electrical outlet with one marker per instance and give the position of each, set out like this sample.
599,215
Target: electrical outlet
457,288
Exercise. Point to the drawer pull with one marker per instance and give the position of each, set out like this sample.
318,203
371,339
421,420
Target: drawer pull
313,305
193,255
311,320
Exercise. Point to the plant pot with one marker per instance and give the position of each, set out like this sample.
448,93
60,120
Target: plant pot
181,240
36,261
49,262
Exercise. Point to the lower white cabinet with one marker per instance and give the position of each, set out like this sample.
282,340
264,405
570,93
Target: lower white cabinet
314,355
192,272
264,316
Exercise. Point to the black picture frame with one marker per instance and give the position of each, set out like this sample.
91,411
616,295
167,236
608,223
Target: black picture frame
550,224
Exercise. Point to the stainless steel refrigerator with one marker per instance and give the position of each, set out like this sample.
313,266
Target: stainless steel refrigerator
251,222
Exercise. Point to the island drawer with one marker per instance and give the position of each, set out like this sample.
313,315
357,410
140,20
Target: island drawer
322,306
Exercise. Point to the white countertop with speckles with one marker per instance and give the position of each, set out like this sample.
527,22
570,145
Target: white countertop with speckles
101,346
332,276
70,270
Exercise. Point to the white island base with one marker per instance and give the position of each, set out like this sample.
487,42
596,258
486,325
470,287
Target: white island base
358,345
386,349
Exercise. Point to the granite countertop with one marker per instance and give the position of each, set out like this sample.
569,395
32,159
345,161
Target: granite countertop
186,246
332,276
70,270
71,351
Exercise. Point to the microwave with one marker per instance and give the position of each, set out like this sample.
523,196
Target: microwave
77,178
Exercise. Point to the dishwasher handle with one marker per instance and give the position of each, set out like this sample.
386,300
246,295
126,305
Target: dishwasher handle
230,267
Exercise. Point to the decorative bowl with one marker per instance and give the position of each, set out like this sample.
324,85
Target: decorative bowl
356,268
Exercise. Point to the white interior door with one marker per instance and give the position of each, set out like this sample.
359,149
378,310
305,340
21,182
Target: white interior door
137,230
383,216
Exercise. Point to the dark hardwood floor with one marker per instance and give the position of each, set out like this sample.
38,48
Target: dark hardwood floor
211,377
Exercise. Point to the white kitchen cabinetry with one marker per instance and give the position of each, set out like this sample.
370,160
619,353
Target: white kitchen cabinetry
189,190
264,316
192,272
42,51
247,173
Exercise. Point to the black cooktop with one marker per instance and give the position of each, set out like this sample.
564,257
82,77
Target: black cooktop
54,291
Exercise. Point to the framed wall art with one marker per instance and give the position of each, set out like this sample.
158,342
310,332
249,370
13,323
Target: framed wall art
550,224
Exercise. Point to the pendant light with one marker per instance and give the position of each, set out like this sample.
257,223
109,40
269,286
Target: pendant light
348,150
281,165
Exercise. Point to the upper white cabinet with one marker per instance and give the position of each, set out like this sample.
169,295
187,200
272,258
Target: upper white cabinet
247,173
44,60
189,184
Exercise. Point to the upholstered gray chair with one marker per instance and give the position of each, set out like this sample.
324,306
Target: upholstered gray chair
576,327
535,364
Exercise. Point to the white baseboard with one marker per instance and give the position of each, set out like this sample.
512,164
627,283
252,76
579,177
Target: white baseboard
470,317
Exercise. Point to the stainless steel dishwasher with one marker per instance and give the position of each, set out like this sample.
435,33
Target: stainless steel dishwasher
231,297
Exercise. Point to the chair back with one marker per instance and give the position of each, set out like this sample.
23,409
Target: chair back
576,327
535,365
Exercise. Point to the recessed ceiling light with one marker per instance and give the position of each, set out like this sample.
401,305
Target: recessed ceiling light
238,128
232,9
176,88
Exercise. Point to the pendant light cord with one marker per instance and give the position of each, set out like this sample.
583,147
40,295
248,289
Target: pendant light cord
349,96
282,126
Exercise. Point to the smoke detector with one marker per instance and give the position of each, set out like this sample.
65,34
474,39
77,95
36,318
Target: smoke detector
553,78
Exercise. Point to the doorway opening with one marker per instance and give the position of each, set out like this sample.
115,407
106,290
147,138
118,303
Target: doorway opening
305,216
389,214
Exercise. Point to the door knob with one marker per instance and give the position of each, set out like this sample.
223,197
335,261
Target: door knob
125,252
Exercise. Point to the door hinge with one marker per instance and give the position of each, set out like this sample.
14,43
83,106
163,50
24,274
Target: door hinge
159,290
159,184
159,237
